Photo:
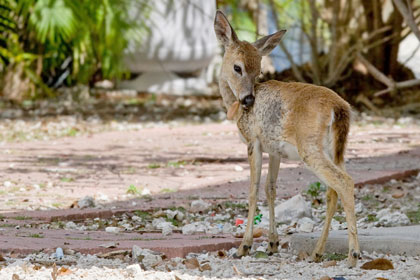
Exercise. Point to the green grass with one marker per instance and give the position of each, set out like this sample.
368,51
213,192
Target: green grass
414,216
334,257
7,225
72,132
67,179
21,218
153,165
143,214
367,197
133,190
315,189
36,235
372,218
176,164
167,190
340,219
233,205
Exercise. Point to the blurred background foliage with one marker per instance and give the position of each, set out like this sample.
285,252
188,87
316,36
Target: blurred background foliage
45,44
351,45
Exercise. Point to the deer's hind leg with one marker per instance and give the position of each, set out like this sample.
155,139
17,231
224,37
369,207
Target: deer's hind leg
331,196
270,191
342,183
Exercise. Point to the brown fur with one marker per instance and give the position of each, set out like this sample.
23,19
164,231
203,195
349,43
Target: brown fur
286,117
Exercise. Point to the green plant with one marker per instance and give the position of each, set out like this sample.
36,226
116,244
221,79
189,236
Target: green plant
414,216
66,179
372,218
153,165
334,257
36,235
133,190
314,189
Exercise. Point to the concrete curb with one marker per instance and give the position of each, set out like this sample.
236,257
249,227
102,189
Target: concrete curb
395,240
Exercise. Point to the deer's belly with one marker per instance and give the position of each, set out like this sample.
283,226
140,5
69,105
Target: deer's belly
282,149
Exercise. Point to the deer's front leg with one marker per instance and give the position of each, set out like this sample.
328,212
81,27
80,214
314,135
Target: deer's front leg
270,191
254,158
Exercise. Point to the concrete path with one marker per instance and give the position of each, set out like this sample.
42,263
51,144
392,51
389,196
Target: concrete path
393,240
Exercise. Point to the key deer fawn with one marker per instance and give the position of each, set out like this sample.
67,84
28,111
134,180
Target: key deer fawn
276,118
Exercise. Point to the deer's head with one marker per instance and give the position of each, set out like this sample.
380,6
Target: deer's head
242,60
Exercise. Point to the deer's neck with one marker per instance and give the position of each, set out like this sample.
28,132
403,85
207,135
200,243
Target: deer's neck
226,93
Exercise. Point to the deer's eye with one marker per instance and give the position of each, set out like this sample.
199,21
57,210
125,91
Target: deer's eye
237,69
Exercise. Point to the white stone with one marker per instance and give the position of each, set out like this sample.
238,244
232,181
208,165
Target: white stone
134,269
188,229
167,229
227,228
86,202
306,225
388,218
70,225
358,208
292,209
199,205
112,229
150,258
7,184
239,168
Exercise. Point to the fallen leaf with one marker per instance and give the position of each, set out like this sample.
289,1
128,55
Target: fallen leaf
2,259
261,255
191,263
15,277
258,232
177,278
237,271
232,110
380,264
64,271
205,266
381,278
109,245
398,194
325,278
329,263
54,272
302,256
285,245
239,234
36,267
221,253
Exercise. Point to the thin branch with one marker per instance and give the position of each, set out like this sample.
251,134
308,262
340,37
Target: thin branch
399,85
408,16
296,72
378,75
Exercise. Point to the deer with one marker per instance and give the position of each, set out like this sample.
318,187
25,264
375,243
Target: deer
285,119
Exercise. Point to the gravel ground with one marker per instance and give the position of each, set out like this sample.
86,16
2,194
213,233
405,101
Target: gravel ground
398,198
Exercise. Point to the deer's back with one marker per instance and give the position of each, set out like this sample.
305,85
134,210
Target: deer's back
281,111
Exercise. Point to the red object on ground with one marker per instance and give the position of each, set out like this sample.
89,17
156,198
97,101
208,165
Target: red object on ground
239,222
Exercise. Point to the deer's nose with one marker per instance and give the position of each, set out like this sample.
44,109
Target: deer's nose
248,101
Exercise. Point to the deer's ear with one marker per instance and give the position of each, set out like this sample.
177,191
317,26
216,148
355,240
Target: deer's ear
266,44
224,32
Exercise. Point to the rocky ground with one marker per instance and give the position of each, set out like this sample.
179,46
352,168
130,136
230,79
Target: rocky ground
391,204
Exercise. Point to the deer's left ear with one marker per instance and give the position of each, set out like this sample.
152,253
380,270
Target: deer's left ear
266,44
224,31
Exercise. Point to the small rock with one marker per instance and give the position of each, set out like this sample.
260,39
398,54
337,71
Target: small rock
109,245
388,218
146,256
199,206
59,253
258,232
305,224
166,230
188,229
191,263
112,229
415,270
329,263
86,202
292,209
239,168
70,225
358,208
325,278
134,269
205,267
380,264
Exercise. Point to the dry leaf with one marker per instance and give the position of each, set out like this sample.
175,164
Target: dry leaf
36,267
221,253
64,271
398,194
329,263
381,278
177,278
237,271
285,245
192,263
109,245
205,266
15,277
380,264
232,110
54,272
258,232
325,278
302,256
2,259
239,234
